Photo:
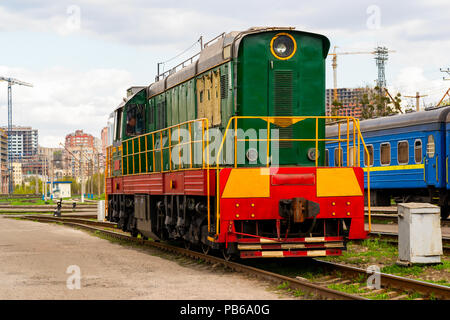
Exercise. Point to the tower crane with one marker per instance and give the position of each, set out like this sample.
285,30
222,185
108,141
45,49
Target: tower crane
11,81
334,64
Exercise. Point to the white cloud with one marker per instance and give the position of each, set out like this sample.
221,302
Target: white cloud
63,100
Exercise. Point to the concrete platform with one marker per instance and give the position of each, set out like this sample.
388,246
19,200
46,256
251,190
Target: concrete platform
394,228
34,258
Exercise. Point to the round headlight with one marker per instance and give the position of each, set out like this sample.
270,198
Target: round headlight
312,154
252,155
283,46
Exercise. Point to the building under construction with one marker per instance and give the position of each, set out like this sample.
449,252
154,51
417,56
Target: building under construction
3,161
23,142
349,98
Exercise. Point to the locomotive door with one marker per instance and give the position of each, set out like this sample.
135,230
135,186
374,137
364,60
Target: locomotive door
283,100
430,160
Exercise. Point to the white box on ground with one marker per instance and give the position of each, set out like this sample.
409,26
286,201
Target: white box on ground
101,210
419,233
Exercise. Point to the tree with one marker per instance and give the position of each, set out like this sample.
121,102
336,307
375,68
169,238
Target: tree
336,106
376,104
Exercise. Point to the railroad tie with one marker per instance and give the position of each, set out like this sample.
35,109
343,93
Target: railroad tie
376,291
334,280
403,296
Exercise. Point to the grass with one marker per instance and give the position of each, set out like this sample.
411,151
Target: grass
415,270
296,293
283,286
347,288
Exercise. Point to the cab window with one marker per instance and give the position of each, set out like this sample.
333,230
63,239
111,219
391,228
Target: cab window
135,120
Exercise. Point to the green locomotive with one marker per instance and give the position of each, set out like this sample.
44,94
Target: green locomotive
249,99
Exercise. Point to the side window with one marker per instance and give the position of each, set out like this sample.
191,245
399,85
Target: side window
140,119
385,153
151,116
327,161
338,157
431,148
131,121
370,156
418,151
118,128
402,152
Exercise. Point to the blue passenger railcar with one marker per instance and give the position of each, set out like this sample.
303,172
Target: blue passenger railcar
408,156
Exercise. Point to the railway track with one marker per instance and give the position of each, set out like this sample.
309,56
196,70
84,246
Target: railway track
392,238
394,286
393,218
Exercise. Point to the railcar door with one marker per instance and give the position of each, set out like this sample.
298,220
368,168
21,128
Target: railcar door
431,159
447,153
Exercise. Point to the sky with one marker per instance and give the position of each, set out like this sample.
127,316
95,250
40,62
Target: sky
81,56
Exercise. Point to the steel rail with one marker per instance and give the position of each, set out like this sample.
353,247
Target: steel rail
387,280
392,217
262,274
393,281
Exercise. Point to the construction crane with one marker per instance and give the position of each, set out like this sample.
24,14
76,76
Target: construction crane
11,81
334,64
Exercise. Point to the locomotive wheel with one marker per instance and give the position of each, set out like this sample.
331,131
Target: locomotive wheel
227,256
187,244
205,248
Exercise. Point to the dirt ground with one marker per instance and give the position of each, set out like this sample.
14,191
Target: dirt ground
35,258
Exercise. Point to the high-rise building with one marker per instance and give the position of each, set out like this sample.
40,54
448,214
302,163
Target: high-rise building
17,173
78,139
350,99
23,142
80,147
3,161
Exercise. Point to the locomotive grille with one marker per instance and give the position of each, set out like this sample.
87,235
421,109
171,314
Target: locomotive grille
223,86
283,97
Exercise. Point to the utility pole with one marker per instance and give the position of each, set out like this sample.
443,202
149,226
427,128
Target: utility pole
45,178
98,174
417,96
446,71
447,93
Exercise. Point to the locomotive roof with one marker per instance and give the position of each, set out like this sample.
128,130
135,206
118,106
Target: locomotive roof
397,121
212,55
136,91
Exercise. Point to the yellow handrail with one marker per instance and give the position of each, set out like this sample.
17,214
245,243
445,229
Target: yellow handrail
356,138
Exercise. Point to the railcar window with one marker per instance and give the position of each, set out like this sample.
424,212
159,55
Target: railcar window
418,151
431,147
370,149
385,153
338,157
351,159
327,163
402,152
